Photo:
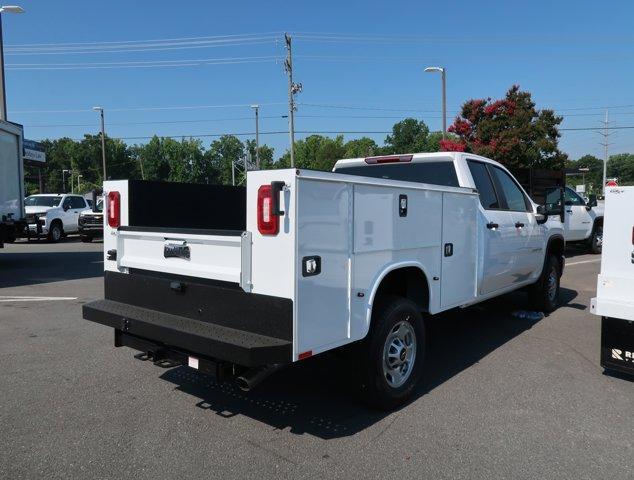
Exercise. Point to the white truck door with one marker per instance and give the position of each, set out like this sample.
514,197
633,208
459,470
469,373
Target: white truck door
78,204
66,214
497,233
578,223
527,241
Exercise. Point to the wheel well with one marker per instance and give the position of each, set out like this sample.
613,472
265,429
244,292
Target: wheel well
407,282
59,222
556,246
598,222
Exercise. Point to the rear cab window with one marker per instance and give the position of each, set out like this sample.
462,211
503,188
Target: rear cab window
434,173
483,182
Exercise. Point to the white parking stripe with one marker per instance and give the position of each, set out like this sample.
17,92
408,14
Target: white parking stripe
10,298
583,261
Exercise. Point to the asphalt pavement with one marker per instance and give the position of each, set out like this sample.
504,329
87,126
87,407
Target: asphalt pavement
502,397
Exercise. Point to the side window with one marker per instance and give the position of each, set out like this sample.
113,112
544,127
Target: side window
483,183
78,202
515,199
67,202
571,198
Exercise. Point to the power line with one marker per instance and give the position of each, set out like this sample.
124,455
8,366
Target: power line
142,64
142,109
234,36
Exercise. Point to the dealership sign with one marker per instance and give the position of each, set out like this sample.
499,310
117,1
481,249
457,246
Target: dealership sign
34,151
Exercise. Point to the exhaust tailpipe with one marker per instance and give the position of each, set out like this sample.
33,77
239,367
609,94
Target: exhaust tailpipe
253,377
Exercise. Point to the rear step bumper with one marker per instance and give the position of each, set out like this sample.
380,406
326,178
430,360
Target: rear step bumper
207,339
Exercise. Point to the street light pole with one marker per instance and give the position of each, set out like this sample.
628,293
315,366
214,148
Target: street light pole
64,179
78,188
443,72
103,140
3,94
257,136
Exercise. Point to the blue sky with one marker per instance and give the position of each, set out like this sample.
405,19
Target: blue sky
575,57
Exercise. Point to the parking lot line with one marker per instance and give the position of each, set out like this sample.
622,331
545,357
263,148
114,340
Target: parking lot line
13,298
583,261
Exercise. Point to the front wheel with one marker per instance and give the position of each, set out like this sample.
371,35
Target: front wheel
544,295
596,240
55,232
392,354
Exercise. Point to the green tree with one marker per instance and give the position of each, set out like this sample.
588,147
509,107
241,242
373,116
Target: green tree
361,147
511,131
266,154
315,152
222,153
593,177
621,166
408,136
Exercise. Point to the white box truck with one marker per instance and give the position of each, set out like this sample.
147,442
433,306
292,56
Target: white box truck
304,262
615,284
12,224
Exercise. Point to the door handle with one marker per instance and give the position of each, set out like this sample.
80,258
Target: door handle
519,224
492,225
568,211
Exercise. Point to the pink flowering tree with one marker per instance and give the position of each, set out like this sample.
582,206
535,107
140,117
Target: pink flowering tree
511,131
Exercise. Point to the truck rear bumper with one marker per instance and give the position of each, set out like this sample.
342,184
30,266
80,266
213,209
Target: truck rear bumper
617,344
191,336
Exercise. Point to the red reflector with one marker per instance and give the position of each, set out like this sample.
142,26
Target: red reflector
268,223
389,159
304,355
114,209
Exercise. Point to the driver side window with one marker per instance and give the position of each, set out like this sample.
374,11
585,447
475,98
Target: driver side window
66,203
571,198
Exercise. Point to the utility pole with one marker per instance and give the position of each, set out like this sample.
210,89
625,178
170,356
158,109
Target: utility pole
3,95
257,136
605,134
293,89
103,141
142,172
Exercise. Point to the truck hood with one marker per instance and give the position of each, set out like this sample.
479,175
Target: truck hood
37,209
598,210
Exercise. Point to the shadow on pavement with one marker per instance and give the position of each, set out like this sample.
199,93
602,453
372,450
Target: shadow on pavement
32,268
316,396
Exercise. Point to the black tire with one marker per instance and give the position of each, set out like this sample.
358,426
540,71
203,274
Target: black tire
86,238
544,295
596,240
392,313
55,232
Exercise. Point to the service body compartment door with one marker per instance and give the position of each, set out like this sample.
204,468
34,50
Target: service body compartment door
323,270
460,249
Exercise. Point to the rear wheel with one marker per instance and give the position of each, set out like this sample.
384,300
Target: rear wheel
392,354
544,295
596,240
55,232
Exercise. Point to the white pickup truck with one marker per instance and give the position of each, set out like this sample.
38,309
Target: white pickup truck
583,219
303,262
54,215
614,301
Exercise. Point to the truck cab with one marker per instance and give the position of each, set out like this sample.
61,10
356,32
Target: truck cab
583,223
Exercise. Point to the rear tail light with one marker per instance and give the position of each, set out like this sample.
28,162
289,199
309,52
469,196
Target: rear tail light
114,209
268,219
